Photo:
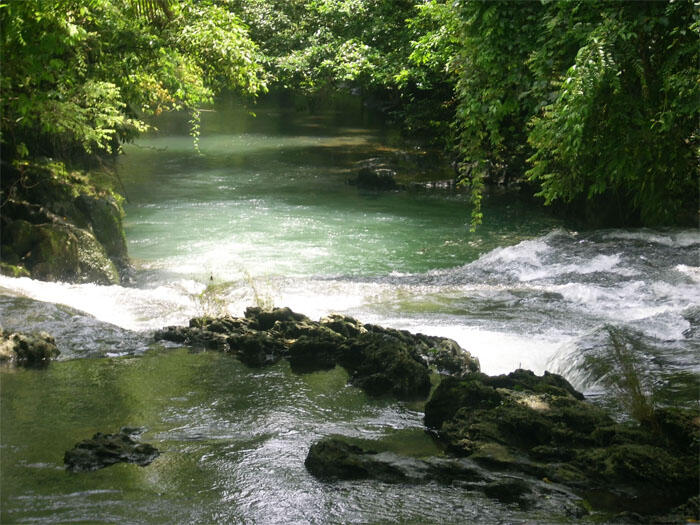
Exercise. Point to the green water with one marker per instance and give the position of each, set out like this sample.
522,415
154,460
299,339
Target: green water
264,214
276,202
232,442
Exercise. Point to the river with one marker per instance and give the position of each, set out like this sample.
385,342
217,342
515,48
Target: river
264,215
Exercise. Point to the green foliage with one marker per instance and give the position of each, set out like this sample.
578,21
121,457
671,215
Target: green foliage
625,380
320,45
494,91
597,101
623,129
594,103
78,76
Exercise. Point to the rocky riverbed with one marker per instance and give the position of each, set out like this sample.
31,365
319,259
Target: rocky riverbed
515,437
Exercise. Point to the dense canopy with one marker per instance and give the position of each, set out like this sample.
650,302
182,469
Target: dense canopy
592,104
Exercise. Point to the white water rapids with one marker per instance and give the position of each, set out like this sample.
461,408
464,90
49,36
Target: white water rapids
529,305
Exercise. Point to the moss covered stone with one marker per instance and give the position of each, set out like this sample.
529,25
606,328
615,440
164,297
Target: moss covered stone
58,225
382,364
12,270
29,350
381,361
541,426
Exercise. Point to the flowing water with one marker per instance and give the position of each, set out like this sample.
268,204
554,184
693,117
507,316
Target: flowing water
264,215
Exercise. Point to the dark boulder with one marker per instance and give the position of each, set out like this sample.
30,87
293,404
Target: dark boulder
383,365
539,425
262,319
58,225
195,337
376,178
509,490
448,358
103,450
453,394
526,380
382,361
319,350
105,219
334,458
343,325
256,349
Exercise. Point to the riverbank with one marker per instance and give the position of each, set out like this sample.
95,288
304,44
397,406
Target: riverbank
61,225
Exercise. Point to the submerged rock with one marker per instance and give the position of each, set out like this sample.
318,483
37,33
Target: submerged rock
30,350
103,450
336,458
372,178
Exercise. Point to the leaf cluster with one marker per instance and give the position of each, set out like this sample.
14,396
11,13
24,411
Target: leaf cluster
79,77
594,101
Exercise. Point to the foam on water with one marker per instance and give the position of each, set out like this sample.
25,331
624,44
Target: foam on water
514,306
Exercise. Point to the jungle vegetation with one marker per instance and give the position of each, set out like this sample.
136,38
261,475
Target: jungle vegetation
591,105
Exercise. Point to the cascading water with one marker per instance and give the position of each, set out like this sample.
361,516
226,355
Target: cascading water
264,214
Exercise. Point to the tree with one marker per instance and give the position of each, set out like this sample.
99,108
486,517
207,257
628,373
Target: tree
78,76
596,101
622,134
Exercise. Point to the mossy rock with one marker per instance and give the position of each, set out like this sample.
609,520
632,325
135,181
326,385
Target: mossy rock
263,319
103,450
383,365
334,458
29,350
257,349
343,325
12,270
54,255
95,265
452,394
319,350
19,236
515,423
509,491
60,226
679,427
448,358
105,217
65,253
635,464
526,380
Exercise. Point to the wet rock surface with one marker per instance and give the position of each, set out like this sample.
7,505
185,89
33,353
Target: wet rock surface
103,450
381,361
28,350
539,425
58,225
519,438
337,458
